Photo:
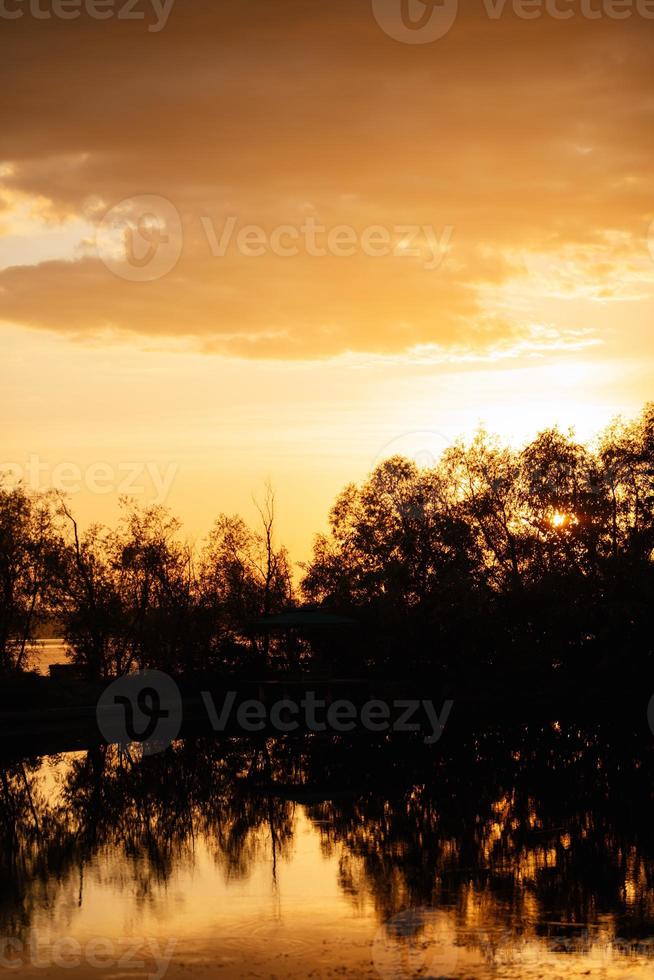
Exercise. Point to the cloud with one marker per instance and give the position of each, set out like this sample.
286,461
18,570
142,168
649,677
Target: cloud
526,138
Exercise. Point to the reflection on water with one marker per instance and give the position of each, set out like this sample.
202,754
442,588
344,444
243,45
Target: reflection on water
42,653
505,854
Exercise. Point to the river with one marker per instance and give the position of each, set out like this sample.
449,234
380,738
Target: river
511,856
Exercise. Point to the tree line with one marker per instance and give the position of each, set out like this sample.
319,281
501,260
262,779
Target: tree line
494,562
136,595
498,562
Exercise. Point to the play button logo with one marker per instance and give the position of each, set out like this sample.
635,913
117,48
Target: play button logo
415,21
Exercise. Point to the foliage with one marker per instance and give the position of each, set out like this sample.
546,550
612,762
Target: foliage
493,563
535,560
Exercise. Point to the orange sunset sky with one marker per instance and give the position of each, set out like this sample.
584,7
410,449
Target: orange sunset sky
529,139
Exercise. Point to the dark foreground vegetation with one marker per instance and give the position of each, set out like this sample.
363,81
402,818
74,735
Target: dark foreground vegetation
496,569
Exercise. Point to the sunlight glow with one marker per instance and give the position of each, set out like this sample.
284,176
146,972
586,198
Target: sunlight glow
561,520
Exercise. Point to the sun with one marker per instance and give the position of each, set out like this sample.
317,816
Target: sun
560,519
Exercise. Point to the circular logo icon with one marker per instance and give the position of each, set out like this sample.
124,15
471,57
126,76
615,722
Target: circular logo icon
417,942
140,239
145,707
423,447
415,21
650,714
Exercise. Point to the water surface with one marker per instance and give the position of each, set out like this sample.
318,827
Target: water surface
505,856
43,653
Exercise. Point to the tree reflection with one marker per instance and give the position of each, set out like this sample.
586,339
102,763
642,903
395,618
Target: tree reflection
148,811
511,827
507,827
